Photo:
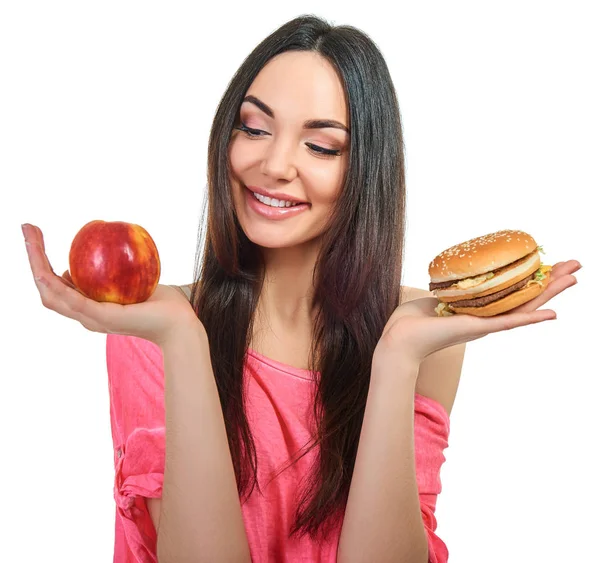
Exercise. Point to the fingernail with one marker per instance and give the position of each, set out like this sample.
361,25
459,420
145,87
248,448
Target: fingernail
23,228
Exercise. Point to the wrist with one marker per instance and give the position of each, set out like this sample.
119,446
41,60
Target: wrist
188,330
398,363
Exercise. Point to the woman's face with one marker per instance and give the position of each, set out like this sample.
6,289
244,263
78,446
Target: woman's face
282,155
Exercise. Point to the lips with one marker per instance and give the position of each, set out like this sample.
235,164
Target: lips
275,195
273,213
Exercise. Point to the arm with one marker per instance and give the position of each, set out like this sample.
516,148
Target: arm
383,520
200,515
439,373
383,516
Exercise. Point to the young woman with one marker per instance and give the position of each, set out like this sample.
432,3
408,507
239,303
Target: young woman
292,403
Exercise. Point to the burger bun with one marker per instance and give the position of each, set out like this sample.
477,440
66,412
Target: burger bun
480,255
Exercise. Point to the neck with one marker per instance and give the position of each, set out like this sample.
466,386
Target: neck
287,294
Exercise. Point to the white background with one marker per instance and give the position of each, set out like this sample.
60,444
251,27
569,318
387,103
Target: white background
105,111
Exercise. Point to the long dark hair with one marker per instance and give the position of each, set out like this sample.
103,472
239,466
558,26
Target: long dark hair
356,278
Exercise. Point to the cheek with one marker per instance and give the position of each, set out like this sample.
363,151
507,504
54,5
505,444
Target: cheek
238,158
327,182
235,156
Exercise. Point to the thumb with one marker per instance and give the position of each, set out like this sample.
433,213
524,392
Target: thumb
67,280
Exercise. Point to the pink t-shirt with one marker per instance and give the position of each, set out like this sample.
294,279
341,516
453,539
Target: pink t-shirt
278,409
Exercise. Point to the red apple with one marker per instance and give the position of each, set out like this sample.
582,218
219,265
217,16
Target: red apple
114,261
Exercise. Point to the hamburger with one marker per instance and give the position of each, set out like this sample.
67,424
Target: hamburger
488,275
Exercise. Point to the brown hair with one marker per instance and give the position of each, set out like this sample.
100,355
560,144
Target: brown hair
357,275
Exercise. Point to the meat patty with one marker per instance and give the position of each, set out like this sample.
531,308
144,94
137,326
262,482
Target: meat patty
441,285
482,301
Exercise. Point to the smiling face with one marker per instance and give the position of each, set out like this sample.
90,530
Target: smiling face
284,154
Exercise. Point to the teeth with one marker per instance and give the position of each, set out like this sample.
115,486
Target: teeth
272,202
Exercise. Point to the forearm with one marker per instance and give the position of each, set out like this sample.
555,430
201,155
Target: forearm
383,519
200,516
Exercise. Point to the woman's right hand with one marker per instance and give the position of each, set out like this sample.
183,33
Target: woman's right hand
157,319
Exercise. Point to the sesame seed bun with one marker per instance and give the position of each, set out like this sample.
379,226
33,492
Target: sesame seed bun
481,255
507,303
488,275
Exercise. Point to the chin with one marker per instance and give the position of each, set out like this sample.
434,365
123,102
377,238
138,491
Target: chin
265,238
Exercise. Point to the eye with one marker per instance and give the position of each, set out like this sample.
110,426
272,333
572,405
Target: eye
250,132
322,151
255,133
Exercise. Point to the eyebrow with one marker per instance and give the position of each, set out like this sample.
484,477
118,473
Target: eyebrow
310,124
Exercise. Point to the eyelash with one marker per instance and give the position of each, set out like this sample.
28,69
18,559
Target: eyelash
254,133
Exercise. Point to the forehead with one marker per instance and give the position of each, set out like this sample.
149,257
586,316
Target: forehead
302,85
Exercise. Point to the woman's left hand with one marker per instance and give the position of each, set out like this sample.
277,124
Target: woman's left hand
415,330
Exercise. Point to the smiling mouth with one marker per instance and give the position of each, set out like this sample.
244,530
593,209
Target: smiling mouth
268,201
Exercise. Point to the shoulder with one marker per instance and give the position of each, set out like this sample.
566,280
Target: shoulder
439,374
408,293
185,289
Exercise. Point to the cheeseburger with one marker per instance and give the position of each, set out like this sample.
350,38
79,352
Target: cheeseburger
488,275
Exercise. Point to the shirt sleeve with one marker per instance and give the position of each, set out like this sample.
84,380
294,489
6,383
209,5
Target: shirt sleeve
432,427
136,390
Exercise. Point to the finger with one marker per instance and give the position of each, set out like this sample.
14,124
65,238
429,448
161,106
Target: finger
552,290
40,237
48,283
37,259
564,268
43,245
68,280
34,236
508,321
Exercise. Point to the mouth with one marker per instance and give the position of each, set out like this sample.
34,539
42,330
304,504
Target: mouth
265,208
274,202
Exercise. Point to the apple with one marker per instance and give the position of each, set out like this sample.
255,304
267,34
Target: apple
114,261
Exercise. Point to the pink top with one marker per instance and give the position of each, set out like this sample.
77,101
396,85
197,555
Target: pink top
278,408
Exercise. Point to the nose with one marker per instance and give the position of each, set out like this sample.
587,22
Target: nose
278,161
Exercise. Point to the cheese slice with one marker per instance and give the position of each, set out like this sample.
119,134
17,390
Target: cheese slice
472,282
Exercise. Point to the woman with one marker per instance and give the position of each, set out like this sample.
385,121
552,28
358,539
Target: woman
291,404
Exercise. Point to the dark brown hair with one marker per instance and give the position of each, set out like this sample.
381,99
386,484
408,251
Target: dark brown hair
357,275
